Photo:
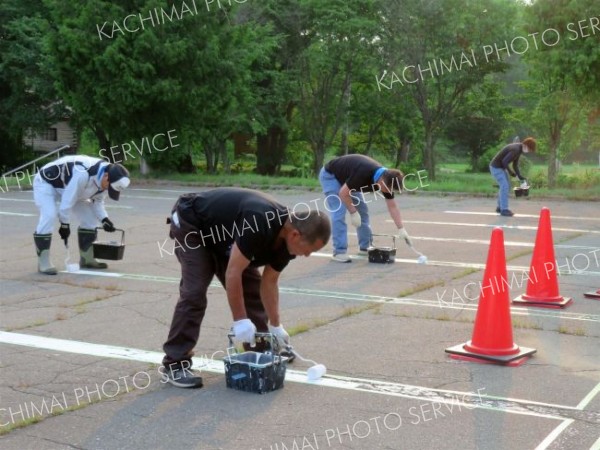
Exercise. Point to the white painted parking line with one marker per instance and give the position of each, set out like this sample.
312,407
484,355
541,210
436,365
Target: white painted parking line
515,310
588,398
563,426
534,216
5,213
469,400
173,199
487,242
486,225
554,434
157,190
25,200
459,265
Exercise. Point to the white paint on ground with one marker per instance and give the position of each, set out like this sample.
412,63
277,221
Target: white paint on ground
5,213
486,225
554,434
475,400
350,296
534,216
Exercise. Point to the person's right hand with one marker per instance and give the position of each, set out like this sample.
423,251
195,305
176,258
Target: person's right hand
355,219
524,184
244,331
402,234
64,231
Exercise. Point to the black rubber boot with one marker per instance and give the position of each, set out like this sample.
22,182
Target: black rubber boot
42,247
86,251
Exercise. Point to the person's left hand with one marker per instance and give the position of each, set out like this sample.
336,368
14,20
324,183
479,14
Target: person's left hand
108,225
282,336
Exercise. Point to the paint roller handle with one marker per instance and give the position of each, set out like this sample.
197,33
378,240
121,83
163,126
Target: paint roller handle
64,232
290,349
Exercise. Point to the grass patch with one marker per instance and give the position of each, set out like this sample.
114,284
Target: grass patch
248,180
525,324
420,287
574,182
464,273
574,332
443,317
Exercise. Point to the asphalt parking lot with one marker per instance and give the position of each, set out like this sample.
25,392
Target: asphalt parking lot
79,352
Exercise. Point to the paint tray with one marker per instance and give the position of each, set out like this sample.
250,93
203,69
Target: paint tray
111,250
521,192
254,371
382,255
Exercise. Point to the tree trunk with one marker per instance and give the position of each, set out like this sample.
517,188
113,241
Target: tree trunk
346,126
212,156
319,152
270,149
222,146
428,156
553,155
402,152
104,143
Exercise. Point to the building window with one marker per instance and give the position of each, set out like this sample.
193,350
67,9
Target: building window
49,135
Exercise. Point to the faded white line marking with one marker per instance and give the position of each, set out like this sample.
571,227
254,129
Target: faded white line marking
485,225
3,213
349,296
469,400
554,434
534,216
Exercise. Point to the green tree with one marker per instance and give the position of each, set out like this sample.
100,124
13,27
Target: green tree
564,76
479,123
421,36
28,100
341,33
190,73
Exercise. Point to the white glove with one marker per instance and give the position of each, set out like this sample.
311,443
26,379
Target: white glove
524,184
282,336
244,331
355,219
402,234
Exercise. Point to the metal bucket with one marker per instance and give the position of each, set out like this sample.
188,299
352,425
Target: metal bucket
111,250
382,255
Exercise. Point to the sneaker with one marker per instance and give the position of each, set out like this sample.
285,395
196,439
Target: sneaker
341,257
497,209
507,213
363,252
180,377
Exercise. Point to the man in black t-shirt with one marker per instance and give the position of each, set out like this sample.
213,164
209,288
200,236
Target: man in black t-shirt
500,165
344,180
230,232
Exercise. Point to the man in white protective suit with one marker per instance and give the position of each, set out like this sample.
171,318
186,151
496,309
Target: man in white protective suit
75,184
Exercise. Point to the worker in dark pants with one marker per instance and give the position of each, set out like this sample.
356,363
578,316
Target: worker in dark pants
230,232
75,184
500,169
344,180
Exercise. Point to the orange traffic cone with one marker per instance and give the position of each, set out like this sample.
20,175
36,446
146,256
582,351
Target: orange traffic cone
542,284
595,295
492,335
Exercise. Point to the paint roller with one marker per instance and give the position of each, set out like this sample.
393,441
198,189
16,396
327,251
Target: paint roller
422,258
74,267
313,373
